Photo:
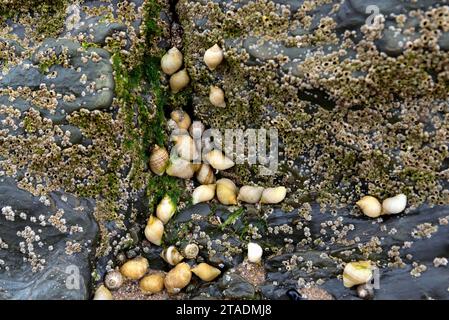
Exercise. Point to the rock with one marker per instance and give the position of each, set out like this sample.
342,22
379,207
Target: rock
235,286
47,244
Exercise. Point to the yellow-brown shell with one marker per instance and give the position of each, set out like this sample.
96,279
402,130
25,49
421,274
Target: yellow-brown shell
152,283
135,268
159,160
178,278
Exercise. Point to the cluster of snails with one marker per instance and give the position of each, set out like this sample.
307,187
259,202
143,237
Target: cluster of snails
228,193
372,207
212,58
177,278
171,62
359,274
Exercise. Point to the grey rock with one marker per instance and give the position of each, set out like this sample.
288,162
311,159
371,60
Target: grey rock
63,274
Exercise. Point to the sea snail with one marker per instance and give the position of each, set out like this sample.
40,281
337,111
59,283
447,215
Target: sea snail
135,269
226,191
178,278
206,272
203,193
213,57
171,61
273,195
357,273
154,230
165,209
255,252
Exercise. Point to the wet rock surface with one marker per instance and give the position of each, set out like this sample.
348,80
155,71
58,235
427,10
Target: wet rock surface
47,244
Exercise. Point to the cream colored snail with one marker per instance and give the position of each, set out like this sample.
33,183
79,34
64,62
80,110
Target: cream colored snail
255,252
226,191
191,251
178,278
273,195
181,118
152,283
203,193
113,280
185,147
179,81
159,160
180,168
218,160
370,206
135,268
206,272
394,204
172,256
154,230
196,129
213,57
217,97
165,209
171,61
102,293
357,273
250,194
205,174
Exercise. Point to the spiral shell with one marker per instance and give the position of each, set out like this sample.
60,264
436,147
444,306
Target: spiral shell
152,283
205,175
179,81
135,269
102,293
181,118
250,194
154,230
171,61
159,160
370,206
113,280
185,147
217,97
394,205
165,209
218,160
196,129
180,168
365,291
171,255
203,193
213,57
178,278
206,272
273,195
226,191
357,273
191,251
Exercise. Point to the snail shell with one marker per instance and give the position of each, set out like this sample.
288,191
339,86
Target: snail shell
171,255
179,81
171,61
165,209
152,283
181,118
185,147
102,293
255,252
226,191
178,278
217,97
218,160
370,206
180,168
205,174
357,273
159,160
203,193
273,195
250,194
206,272
135,269
394,204
113,280
154,230
213,57
196,129
191,251
365,291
